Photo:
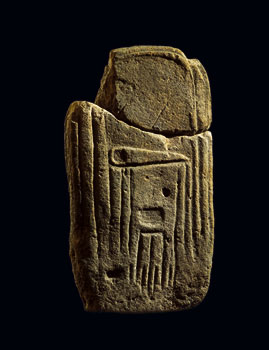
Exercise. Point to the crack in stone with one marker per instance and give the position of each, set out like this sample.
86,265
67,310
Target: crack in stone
159,115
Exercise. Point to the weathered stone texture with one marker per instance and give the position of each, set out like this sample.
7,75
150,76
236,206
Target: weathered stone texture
140,183
156,89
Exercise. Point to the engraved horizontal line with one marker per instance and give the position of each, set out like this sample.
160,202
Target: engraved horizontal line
151,214
152,231
134,165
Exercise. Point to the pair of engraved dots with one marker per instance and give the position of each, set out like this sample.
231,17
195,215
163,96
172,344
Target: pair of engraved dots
165,191
124,156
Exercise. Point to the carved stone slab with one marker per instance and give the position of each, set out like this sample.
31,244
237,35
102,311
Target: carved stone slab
141,204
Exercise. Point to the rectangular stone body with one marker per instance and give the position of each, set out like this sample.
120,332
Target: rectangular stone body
141,206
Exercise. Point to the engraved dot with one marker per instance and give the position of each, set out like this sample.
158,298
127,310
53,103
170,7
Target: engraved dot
118,272
166,192
146,177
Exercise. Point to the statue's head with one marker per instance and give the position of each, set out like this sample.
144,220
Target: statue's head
156,89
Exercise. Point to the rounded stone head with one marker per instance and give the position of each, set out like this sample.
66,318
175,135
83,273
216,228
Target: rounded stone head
157,89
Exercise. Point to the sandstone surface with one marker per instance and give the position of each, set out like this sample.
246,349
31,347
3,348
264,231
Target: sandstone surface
139,166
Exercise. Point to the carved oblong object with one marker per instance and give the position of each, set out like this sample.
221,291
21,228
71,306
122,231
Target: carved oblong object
140,181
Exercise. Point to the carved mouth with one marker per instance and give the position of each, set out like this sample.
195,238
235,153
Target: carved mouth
151,218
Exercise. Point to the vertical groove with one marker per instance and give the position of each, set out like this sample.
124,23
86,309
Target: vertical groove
163,266
182,214
74,173
193,195
203,151
196,192
144,276
139,256
143,259
111,183
115,204
87,165
130,210
132,273
210,180
165,263
151,268
177,198
131,213
151,280
95,195
121,209
188,226
125,222
101,180
180,220
171,275
149,263
157,277
157,249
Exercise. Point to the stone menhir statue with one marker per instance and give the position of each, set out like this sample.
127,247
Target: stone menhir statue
139,166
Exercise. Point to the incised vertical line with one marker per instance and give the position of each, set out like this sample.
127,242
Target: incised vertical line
196,201
204,184
131,224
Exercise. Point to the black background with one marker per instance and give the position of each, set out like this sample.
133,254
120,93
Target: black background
58,56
